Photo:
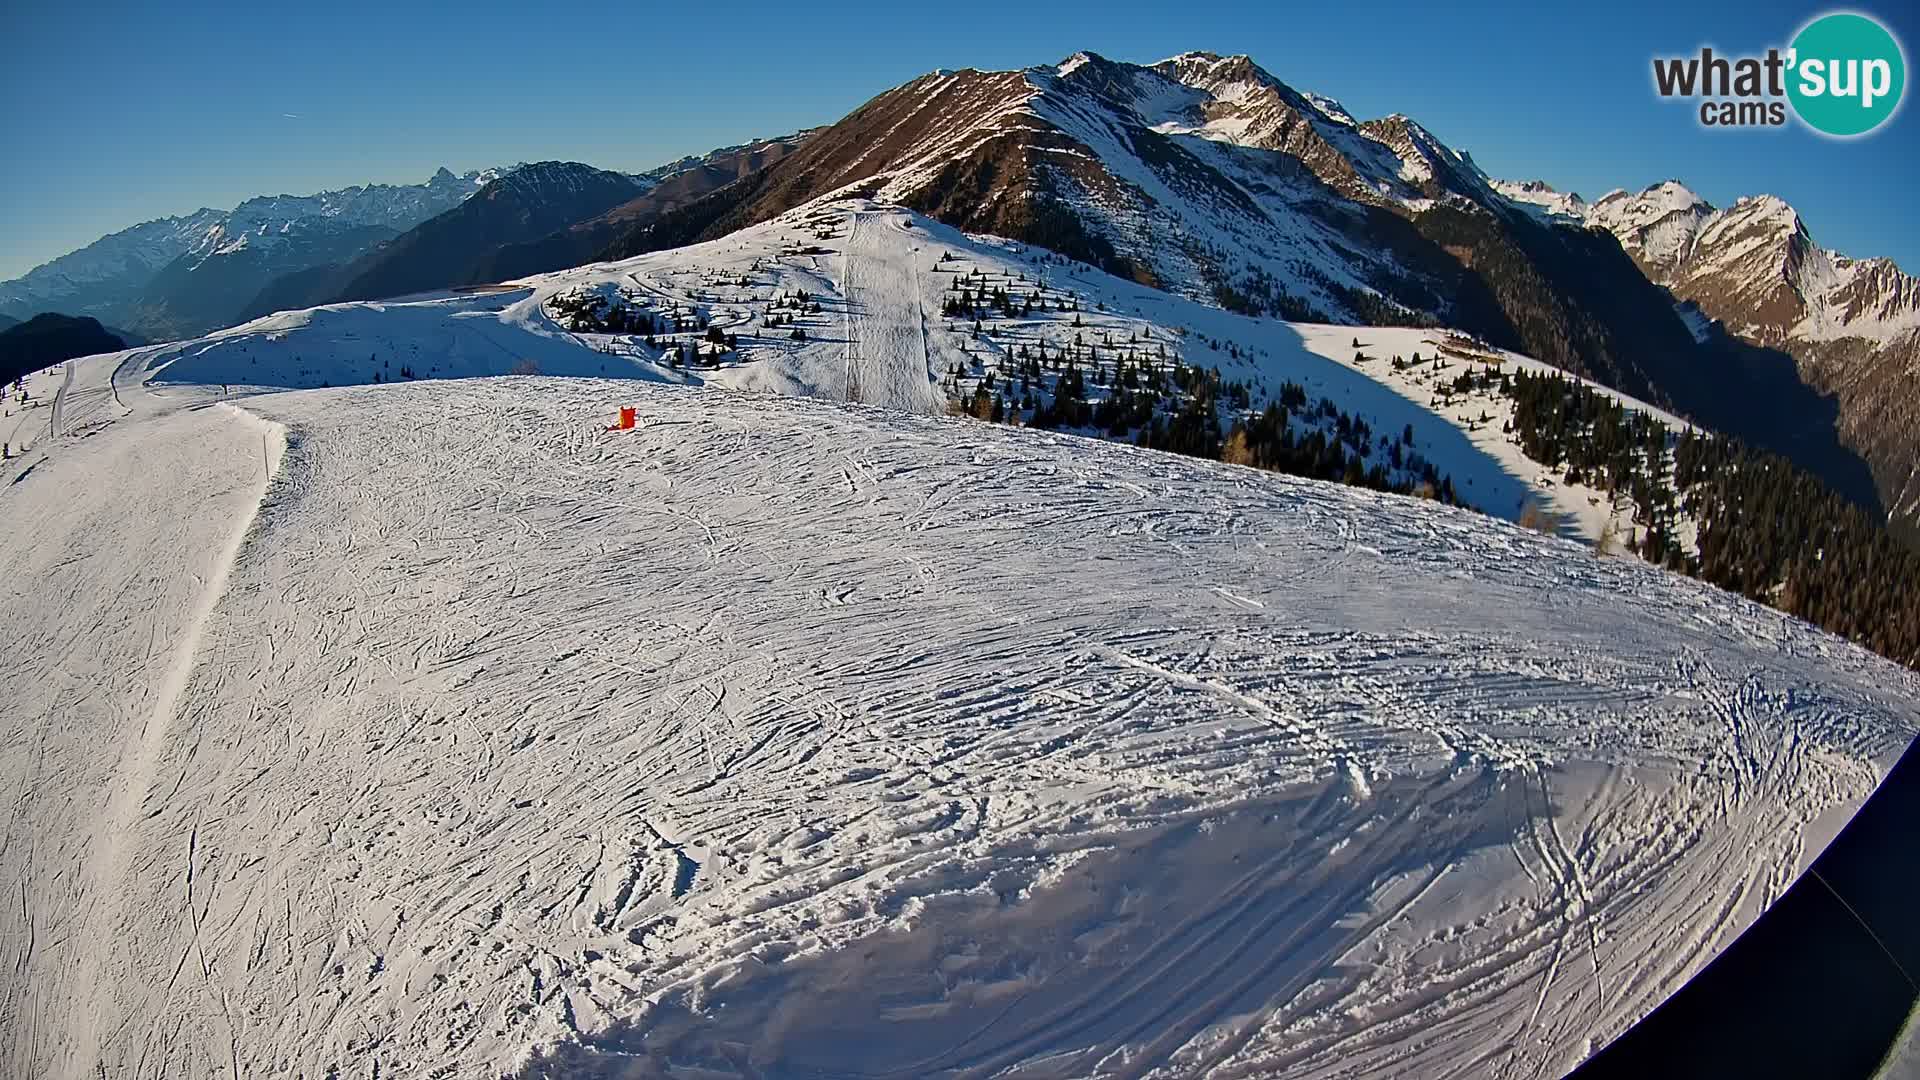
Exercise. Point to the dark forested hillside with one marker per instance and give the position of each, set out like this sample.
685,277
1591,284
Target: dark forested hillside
1132,388
1573,298
1772,531
679,184
1766,528
48,339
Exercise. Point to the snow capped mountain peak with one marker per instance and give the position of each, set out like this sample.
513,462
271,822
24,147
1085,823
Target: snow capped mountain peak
1331,109
1232,78
1074,63
1768,207
1760,240
1198,56
1541,197
1676,190
1664,197
1233,100
1207,67
1532,186
1658,225
1424,158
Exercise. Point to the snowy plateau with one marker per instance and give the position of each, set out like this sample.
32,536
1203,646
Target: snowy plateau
373,710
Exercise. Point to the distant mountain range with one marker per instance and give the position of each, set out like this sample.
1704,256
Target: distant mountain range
184,275
671,187
526,203
535,218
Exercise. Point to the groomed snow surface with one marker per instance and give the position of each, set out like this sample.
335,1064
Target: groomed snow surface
800,738
432,729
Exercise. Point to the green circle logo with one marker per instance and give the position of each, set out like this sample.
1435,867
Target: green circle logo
1848,74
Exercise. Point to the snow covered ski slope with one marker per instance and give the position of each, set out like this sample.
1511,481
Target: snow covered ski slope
888,360
432,729
870,328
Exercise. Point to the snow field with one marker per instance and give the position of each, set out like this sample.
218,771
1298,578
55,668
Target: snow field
780,735
25,415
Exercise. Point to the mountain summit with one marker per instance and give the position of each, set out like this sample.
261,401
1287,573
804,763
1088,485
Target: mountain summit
1202,174
1207,176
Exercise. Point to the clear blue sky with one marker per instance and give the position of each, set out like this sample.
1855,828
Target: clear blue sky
113,113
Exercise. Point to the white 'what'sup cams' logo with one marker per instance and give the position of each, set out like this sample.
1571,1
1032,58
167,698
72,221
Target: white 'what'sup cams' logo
1842,76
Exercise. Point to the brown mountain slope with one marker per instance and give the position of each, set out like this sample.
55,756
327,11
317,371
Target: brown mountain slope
1208,177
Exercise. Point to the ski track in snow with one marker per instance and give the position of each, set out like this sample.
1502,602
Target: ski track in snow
782,737
886,326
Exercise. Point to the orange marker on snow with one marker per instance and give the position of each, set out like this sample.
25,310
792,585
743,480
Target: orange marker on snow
626,419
